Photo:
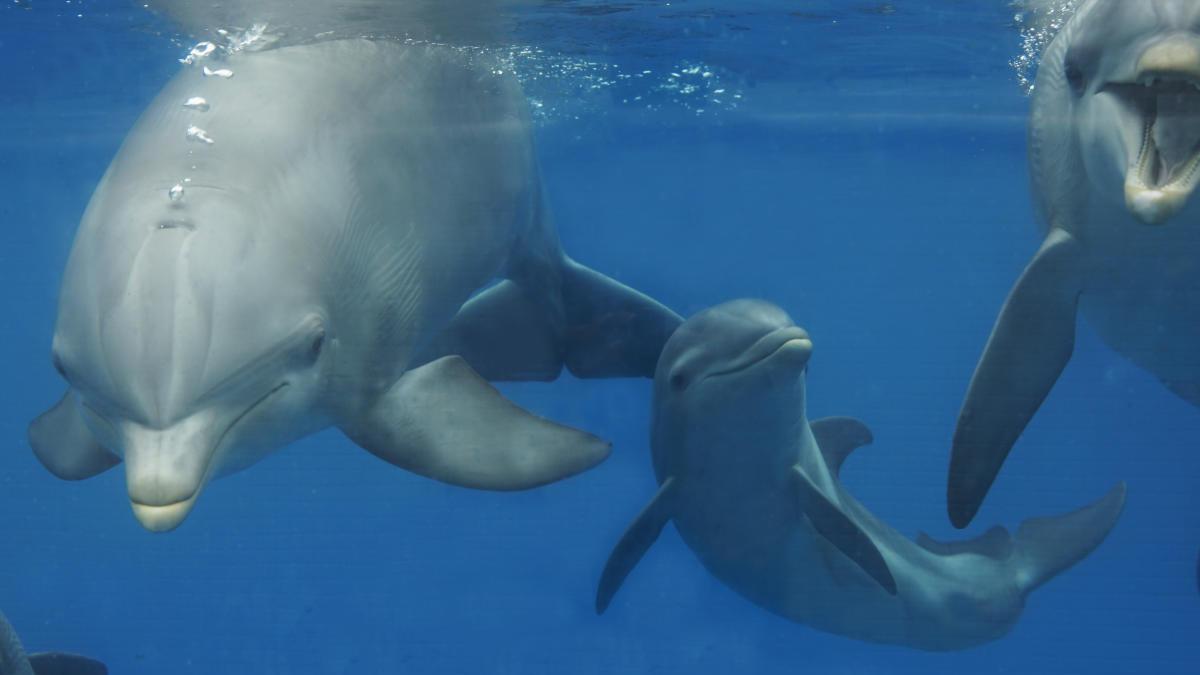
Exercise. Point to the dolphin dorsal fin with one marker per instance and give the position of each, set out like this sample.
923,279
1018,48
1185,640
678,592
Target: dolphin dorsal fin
837,437
996,543
638,538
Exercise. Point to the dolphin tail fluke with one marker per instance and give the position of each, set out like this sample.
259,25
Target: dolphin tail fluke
1044,547
612,330
64,445
555,315
1029,346
60,663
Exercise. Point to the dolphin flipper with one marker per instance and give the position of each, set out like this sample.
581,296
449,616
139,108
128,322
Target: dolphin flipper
64,445
837,437
443,421
59,663
596,327
841,531
638,537
1030,345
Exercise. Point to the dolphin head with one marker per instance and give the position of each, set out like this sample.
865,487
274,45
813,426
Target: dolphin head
1128,76
739,365
195,342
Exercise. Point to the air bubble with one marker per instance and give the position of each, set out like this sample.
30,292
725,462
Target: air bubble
175,193
195,133
200,51
197,103
220,72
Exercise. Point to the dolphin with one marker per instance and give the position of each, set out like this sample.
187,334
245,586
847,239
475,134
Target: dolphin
753,488
349,233
1114,157
14,661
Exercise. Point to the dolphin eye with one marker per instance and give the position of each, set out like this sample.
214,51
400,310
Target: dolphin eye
679,381
1075,78
316,346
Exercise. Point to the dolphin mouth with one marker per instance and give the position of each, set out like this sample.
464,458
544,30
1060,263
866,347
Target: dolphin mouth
168,516
792,340
1165,95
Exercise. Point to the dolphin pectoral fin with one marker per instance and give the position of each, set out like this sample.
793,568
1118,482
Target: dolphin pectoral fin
837,437
838,529
60,663
64,445
638,538
1029,346
612,330
503,334
443,421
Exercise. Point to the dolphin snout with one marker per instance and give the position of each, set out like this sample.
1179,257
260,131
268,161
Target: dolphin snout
165,469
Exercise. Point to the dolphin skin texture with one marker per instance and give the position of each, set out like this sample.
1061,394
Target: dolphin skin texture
753,488
349,233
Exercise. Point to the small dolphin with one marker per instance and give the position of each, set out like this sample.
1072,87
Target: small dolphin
284,242
753,489
14,661
1114,157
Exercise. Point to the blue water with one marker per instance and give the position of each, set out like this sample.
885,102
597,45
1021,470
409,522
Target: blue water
872,183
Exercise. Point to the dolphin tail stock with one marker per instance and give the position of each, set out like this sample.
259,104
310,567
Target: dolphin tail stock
1046,546
552,315
443,421
63,444
1030,345
637,539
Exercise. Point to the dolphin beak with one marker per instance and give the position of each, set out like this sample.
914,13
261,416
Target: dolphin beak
165,470
163,518
1165,94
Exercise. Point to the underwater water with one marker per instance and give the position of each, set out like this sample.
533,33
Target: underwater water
863,166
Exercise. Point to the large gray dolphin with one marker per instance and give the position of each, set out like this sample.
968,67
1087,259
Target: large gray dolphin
284,242
1114,156
14,661
752,487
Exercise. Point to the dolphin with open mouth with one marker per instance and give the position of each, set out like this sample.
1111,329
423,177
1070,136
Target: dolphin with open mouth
1114,156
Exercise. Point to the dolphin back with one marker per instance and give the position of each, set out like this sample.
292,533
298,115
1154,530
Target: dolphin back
12,655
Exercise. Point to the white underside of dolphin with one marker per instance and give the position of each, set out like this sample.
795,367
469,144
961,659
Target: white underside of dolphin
753,489
288,240
14,660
